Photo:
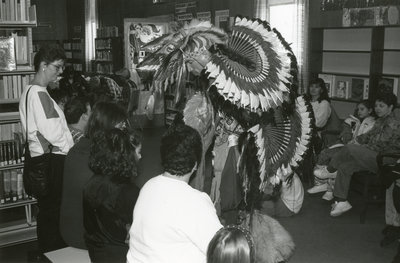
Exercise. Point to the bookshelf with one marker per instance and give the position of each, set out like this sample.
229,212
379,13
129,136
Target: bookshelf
74,49
359,58
109,55
17,18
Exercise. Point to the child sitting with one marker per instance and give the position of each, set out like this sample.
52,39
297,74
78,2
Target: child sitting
353,126
231,244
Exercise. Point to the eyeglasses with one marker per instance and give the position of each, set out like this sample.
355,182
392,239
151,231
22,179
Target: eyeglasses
58,67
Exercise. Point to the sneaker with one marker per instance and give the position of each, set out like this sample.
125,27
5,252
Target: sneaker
340,207
328,196
323,173
318,188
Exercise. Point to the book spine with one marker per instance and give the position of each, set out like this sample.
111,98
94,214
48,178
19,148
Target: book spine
366,89
14,185
20,184
7,185
2,196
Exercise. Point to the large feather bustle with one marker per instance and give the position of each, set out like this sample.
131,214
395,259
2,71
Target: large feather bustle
168,62
273,74
282,147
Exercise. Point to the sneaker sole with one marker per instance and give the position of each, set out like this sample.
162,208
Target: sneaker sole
341,212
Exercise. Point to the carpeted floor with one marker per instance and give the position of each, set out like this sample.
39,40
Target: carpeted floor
319,238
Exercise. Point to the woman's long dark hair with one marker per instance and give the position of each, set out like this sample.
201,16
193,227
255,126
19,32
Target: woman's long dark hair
324,91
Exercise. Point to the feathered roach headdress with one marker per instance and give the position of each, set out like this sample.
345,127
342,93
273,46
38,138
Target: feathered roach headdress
170,52
254,70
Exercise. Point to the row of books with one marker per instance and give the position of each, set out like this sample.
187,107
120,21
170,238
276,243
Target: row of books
10,131
14,10
11,87
74,54
108,31
103,43
74,45
344,87
12,186
104,55
11,152
75,66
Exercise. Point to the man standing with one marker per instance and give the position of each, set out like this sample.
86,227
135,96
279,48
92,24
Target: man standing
173,222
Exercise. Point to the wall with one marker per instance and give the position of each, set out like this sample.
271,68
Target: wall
112,13
52,20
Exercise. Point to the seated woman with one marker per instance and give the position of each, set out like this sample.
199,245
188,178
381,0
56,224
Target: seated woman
383,137
320,102
352,127
110,196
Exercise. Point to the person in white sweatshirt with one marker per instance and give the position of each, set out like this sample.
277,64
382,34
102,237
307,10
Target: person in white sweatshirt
47,128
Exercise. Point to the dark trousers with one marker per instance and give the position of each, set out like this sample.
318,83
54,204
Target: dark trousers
350,159
48,218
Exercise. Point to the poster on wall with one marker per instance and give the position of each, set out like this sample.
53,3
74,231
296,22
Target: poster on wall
139,32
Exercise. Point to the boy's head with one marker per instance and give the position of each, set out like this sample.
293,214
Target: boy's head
77,111
181,149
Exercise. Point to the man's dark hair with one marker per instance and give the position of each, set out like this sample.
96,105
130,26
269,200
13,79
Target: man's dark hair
74,109
387,97
181,149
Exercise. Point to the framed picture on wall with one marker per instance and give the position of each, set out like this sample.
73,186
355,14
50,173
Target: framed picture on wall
140,31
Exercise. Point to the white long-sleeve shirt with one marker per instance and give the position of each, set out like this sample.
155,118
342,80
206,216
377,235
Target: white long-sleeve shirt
322,112
172,223
46,122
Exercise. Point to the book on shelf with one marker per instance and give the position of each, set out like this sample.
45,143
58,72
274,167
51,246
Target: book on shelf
12,186
341,89
7,54
359,88
10,153
14,10
389,84
329,82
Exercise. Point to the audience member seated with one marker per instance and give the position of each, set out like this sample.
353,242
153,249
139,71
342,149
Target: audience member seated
60,96
77,112
233,244
353,126
73,83
105,116
173,222
391,178
129,94
109,196
361,155
320,102
287,202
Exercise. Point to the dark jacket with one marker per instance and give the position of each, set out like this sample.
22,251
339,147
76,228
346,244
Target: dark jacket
76,175
107,216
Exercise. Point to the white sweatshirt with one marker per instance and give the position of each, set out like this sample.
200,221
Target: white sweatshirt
46,122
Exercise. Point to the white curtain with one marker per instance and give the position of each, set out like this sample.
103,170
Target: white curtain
90,31
301,40
260,9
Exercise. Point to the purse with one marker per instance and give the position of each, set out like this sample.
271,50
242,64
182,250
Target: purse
36,169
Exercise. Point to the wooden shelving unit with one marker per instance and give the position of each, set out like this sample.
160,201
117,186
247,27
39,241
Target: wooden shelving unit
19,230
371,52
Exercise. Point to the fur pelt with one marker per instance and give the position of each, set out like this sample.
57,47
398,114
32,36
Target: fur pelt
272,242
